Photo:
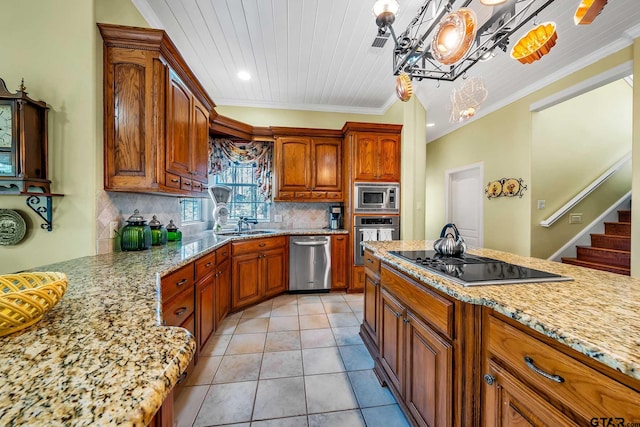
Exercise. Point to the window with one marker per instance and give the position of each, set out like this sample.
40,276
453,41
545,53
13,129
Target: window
191,210
245,200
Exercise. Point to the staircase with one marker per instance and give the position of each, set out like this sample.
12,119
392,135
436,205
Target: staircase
610,251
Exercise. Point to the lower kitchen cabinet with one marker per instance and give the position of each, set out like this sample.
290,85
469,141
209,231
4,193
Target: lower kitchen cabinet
223,291
372,302
339,262
259,270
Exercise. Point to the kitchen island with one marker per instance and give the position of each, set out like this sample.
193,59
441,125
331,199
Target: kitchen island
474,340
100,356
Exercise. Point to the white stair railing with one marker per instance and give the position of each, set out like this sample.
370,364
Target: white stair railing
584,193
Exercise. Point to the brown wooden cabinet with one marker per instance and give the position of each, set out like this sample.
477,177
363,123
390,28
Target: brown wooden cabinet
205,297
529,381
339,262
308,168
259,270
156,115
374,151
222,284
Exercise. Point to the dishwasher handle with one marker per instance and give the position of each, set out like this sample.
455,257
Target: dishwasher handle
314,243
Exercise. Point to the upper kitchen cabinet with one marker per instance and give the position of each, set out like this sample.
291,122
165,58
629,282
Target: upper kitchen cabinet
156,115
308,165
374,151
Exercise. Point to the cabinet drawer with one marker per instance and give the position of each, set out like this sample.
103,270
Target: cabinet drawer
222,254
186,184
196,186
172,180
174,282
177,311
256,245
302,194
334,195
204,265
285,195
433,308
318,194
371,262
587,392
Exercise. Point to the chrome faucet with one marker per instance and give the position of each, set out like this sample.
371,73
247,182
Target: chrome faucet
246,221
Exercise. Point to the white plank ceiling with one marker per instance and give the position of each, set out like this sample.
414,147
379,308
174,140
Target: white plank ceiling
317,55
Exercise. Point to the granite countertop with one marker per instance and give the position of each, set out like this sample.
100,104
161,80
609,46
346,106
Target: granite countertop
597,314
100,356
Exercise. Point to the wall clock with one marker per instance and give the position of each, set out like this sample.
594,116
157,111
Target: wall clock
23,142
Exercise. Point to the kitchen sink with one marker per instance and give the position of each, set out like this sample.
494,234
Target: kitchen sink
244,233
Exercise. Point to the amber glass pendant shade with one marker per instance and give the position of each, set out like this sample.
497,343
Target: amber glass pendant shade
454,36
404,90
536,43
588,10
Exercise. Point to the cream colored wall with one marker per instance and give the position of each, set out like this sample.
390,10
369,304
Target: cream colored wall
635,192
52,45
502,140
586,134
411,115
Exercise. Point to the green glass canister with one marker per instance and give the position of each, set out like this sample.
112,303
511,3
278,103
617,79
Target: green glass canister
159,234
173,234
136,235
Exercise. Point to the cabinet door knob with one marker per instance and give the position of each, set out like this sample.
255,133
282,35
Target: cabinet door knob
529,362
489,379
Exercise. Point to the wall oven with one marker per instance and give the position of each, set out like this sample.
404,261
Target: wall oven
373,228
377,197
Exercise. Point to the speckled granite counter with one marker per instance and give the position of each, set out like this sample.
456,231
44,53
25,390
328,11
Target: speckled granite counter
100,357
597,314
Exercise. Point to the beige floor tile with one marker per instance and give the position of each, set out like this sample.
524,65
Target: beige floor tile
356,305
281,397
384,416
227,403
306,299
282,422
237,315
227,326
187,404
340,320
328,393
336,307
216,346
315,338
311,308
332,298
351,418
256,312
359,315
246,343
288,299
204,371
314,321
322,360
349,335
285,310
281,364
238,367
282,341
289,323
353,297
356,357
252,326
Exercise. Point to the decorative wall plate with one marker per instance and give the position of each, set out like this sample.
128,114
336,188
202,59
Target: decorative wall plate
12,227
507,187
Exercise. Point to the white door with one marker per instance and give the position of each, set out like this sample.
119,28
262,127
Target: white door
464,201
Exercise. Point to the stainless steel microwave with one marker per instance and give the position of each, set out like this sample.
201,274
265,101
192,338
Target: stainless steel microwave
378,197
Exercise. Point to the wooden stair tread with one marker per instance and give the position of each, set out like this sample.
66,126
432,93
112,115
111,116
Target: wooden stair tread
597,266
613,236
620,251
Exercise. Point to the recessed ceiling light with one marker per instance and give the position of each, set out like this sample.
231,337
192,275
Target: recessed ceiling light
430,125
244,75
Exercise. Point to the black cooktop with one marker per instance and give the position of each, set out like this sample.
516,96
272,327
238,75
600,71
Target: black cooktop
474,270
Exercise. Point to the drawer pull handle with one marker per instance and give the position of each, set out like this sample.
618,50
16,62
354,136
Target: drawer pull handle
370,260
262,245
188,184
179,312
489,379
181,282
175,180
207,265
182,377
340,238
225,253
534,368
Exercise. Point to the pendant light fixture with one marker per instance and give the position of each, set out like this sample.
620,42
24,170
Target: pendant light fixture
588,10
536,43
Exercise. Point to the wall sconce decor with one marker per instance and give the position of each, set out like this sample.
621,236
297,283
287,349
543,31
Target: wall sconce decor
505,187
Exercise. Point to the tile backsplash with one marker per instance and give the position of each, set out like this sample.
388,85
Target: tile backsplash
115,206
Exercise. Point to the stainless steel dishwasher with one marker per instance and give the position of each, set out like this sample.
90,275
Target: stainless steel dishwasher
309,264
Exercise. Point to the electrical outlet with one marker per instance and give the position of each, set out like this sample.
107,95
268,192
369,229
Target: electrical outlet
277,218
575,218
113,229
541,204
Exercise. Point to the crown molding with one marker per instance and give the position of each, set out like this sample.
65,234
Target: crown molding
303,107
